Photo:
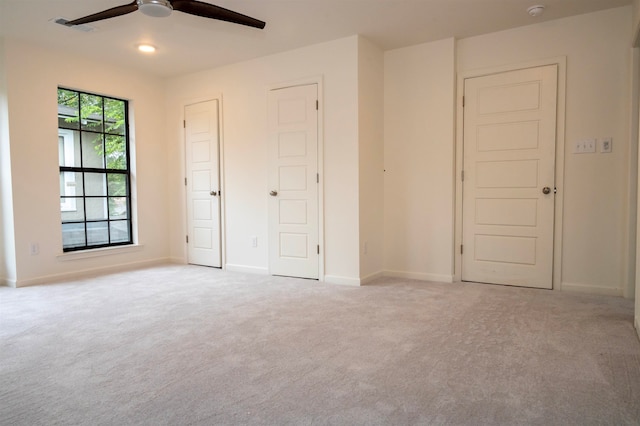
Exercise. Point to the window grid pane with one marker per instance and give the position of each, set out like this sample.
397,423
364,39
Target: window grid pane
95,200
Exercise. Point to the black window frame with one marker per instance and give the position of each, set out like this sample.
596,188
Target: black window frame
105,171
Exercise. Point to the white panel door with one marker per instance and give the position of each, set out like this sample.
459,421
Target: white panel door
509,175
293,181
203,183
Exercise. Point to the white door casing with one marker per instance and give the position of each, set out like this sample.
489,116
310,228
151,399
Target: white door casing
293,181
203,183
508,161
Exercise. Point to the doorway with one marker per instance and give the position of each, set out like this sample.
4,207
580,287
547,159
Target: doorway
203,194
293,182
508,177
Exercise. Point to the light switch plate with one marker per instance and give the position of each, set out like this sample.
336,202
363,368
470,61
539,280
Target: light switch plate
590,145
578,147
606,145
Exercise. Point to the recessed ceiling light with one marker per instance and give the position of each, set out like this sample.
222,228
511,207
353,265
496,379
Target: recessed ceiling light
146,48
536,10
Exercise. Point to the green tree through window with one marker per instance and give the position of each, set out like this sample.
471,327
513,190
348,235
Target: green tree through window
95,200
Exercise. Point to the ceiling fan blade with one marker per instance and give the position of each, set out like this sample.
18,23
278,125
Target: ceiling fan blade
206,10
106,14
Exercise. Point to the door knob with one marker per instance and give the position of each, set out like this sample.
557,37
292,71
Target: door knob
273,193
214,193
546,190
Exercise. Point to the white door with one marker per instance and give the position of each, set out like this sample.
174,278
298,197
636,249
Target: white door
508,177
293,181
203,183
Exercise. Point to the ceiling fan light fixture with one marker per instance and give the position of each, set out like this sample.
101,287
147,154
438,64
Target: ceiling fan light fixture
155,8
536,10
163,8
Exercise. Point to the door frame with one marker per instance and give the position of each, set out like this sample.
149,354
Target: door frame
221,177
561,62
317,80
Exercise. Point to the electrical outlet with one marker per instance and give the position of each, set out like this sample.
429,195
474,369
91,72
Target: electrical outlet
254,241
34,249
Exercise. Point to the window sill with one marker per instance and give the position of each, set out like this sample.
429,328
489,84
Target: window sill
99,252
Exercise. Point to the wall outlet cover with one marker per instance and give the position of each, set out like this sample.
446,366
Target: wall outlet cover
606,145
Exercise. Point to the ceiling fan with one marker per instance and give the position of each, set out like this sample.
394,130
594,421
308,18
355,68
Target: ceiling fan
163,8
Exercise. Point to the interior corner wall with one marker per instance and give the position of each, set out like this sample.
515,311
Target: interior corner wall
419,146
243,87
636,94
371,158
7,240
636,19
596,190
637,270
634,117
33,75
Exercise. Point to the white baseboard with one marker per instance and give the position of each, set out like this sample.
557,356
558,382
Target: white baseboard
84,273
178,260
246,269
334,279
6,282
420,276
592,289
371,277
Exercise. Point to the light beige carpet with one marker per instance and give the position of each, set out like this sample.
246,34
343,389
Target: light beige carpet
187,345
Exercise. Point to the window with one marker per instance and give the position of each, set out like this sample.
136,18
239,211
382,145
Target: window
93,154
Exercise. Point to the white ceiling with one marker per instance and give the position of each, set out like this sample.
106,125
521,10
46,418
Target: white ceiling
190,43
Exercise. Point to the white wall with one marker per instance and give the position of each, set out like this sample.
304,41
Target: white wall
371,161
33,75
596,192
419,90
418,127
243,88
636,94
7,240
636,123
634,115
636,19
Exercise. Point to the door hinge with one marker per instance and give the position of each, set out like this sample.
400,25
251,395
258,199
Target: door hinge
317,177
185,181
187,239
463,102
184,124
317,105
318,246
462,175
461,249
